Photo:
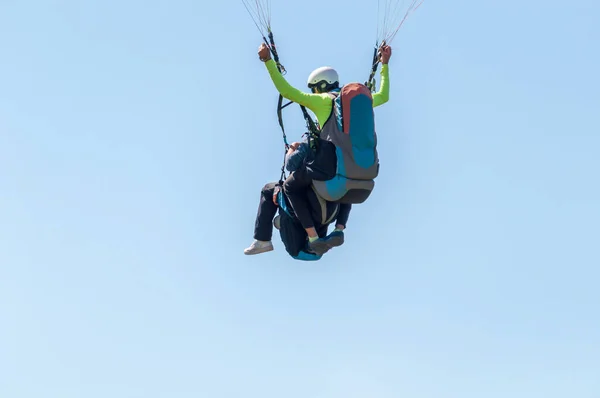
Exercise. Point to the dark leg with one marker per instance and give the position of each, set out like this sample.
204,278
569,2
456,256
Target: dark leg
336,237
263,227
293,236
343,214
295,188
297,185
322,230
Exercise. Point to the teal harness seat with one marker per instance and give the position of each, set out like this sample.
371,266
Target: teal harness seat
351,128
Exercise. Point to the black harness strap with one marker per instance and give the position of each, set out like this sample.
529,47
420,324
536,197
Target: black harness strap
271,44
371,82
280,119
313,130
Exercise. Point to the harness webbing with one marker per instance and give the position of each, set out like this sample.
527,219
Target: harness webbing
271,45
376,60
313,130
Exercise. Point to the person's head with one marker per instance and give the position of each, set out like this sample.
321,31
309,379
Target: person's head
296,155
323,79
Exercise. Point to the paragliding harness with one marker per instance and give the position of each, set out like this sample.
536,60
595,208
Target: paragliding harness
313,133
347,138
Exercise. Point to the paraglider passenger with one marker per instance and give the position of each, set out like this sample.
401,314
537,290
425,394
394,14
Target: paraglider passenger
293,235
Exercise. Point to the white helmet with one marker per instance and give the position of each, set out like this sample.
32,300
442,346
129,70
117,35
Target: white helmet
323,77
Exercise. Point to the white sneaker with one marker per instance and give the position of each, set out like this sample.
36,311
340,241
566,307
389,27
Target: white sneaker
259,246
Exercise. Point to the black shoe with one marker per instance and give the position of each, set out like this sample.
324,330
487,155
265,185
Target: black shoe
319,246
335,239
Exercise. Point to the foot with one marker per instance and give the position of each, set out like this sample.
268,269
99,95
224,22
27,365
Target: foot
259,246
335,239
319,246
277,221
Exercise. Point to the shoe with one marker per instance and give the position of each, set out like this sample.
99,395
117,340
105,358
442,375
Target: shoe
259,246
277,221
318,247
335,239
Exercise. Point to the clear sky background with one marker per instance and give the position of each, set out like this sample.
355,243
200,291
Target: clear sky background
135,137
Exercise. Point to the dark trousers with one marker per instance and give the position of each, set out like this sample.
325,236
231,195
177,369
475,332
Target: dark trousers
263,226
292,233
344,213
321,165
295,188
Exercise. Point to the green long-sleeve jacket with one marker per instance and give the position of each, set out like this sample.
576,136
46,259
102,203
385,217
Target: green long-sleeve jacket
320,104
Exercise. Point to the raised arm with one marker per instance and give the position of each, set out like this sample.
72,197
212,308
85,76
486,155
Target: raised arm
383,95
314,102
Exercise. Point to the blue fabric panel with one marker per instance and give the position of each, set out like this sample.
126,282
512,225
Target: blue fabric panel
336,187
304,256
362,133
282,203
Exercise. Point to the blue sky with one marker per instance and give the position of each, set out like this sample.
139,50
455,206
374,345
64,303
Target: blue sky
135,137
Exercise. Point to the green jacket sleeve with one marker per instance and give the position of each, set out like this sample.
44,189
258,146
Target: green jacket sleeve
383,95
318,103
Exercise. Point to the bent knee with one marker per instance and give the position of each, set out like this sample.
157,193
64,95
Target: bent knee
268,187
288,184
